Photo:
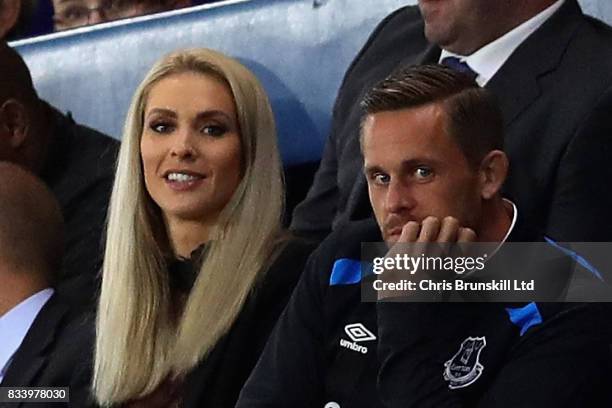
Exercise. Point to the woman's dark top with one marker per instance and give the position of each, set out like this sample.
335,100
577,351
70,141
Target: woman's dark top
218,379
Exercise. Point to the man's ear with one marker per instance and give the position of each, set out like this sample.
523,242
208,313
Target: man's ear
9,13
493,172
14,123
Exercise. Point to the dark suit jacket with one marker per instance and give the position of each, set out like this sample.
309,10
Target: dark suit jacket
80,170
56,352
555,92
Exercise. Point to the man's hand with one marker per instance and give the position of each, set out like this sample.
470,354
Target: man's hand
431,229
426,238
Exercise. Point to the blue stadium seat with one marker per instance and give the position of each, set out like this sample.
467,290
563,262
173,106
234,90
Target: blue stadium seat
298,48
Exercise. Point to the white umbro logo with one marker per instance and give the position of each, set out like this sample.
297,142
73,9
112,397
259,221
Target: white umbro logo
358,332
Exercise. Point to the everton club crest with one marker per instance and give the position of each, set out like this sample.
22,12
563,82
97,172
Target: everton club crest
464,368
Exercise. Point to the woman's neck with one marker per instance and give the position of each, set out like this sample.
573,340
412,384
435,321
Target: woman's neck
187,235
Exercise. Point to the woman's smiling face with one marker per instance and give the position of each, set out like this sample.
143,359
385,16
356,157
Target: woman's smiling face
190,146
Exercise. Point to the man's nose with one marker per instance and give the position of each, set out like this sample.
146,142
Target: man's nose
96,16
398,198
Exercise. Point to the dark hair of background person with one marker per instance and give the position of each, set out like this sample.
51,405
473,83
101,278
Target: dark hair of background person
16,78
26,13
29,121
474,118
33,18
31,224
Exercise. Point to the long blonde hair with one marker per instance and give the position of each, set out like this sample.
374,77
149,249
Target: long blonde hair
138,344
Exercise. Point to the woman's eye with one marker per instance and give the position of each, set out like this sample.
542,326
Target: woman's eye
213,130
161,127
423,172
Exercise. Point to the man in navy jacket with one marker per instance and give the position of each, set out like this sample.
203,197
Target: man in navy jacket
434,164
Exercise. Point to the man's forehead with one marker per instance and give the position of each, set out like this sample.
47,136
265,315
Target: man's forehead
422,125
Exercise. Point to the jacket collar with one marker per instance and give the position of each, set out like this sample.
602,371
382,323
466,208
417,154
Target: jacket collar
33,353
516,83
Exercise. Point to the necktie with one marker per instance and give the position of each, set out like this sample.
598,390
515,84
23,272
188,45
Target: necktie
460,66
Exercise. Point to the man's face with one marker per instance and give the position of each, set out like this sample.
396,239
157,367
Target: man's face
76,13
414,169
461,25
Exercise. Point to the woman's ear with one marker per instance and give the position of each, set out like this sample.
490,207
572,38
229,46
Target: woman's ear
13,123
493,172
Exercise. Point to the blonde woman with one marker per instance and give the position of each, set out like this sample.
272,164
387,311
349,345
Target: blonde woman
197,267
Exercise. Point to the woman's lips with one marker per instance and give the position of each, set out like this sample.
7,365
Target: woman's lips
185,185
183,180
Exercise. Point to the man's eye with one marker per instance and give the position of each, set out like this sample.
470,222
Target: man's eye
213,130
119,5
423,172
74,13
381,178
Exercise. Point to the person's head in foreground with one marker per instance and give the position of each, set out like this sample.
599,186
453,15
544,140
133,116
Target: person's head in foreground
198,165
76,13
431,141
31,236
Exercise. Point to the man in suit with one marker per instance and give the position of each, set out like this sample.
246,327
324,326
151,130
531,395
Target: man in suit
550,68
76,162
43,343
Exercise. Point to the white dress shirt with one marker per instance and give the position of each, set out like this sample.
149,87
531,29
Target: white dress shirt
14,326
489,59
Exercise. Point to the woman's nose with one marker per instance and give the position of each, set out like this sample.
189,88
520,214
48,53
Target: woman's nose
183,146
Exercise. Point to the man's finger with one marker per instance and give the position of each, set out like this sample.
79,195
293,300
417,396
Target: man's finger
466,235
449,230
430,228
410,232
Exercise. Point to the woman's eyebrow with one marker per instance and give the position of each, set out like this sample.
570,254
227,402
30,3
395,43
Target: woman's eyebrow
212,113
163,111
